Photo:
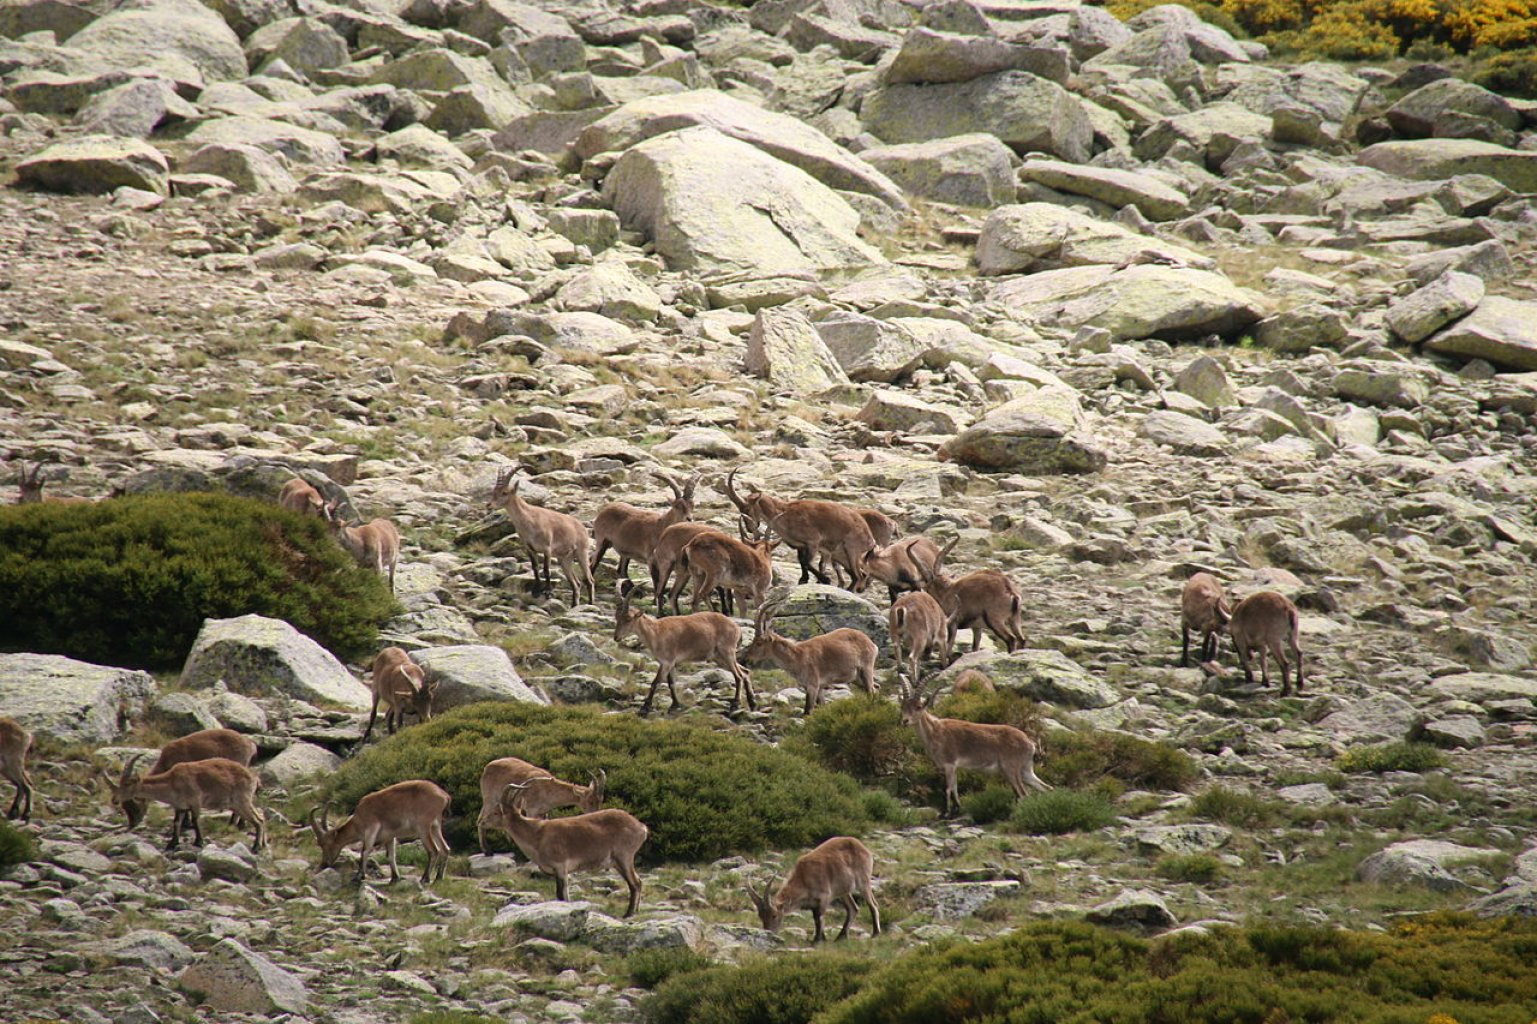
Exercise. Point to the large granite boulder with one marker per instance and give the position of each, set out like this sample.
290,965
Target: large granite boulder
96,164
1143,301
967,170
1156,200
1424,863
301,145
231,978
71,701
1042,675
1380,718
785,349
869,349
1418,114
264,657
1042,432
1426,310
1501,331
1213,132
167,35
928,56
1030,237
1441,159
470,673
1023,110
251,168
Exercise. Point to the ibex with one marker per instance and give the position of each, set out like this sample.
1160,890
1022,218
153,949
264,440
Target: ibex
838,870
983,598
903,566
1267,622
844,657
810,527
664,558
702,636
1203,608
546,533
743,571
633,532
375,545
29,488
406,810
544,795
401,685
582,842
299,495
918,626
202,745
15,743
953,744
192,787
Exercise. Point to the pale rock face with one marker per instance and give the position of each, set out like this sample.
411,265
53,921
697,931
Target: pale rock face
232,978
95,164
71,701
468,673
170,34
1024,111
1134,302
262,657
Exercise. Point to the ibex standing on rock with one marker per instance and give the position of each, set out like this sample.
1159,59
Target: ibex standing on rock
633,532
546,533
1267,622
702,636
583,842
1203,609
407,810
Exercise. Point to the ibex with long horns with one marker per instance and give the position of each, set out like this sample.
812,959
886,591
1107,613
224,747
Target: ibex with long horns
547,534
844,657
544,795
407,810
810,527
582,842
632,532
954,744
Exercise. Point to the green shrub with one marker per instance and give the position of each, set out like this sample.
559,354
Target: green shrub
136,576
1001,707
784,990
16,846
1510,74
1190,867
1079,759
451,1017
1235,807
1391,757
650,967
864,736
1062,810
991,804
704,793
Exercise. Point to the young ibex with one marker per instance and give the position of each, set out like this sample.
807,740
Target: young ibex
810,527
664,558
917,624
1204,609
983,598
742,571
15,743
702,636
406,810
953,744
903,566
192,787
844,657
401,685
632,532
299,495
545,793
838,870
546,533
375,545
203,745
582,842
1267,622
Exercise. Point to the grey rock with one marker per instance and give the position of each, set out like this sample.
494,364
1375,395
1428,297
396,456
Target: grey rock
705,442
157,951
966,170
1043,675
545,41
1378,384
929,56
1134,907
674,931
785,349
1415,115
234,864
1513,900
470,673
1185,434
1426,310
1134,302
307,45
1024,111
97,164
1441,159
1031,237
871,350
1500,331
1118,188
1184,839
1485,687
1421,863
812,609
182,713
954,901
1380,718
233,978
561,922
898,411
1213,132
251,168
134,109
1455,731
71,701
297,763
301,145
1489,261
187,41
267,657
1041,432
1204,379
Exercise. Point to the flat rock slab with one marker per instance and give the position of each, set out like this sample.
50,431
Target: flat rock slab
674,931
1380,718
470,673
1420,862
1141,301
952,901
1041,432
1502,331
232,978
1049,676
1438,159
1482,687
97,164
71,701
560,922
1156,200
1184,839
264,657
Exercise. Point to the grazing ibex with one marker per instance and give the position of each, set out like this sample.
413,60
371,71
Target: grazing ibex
844,657
203,745
15,743
953,744
546,533
192,787
375,545
838,870
299,495
702,636
903,566
917,625
582,842
544,794
406,810
810,527
401,685
632,532
1203,608
983,598
743,571
1267,622
664,558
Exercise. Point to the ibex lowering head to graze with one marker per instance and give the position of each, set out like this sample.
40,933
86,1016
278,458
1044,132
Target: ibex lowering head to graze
633,532
838,870
844,657
1204,609
15,744
401,685
903,566
983,598
545,793
664,558
810,527
702,636
299,495
406,810
918,626
582,842
546,533
375,545
742,571
1267,622
953,744
192,787
202,745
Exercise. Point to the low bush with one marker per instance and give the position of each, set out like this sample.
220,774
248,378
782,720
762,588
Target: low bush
1000,707
1201,868
136,576
16,846
704,793
1510,74
1235,807
1391,757
1080,759
650,967
1061,810
864,736
784,990
991,804
452,1017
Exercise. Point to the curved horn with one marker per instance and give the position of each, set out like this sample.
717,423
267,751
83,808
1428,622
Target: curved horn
316,826
128,771
325,816
677,492
599,782
732,494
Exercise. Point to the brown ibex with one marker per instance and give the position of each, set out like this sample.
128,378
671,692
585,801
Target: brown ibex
953,744
903,566
407,810
192,787
299,495
742,571
844,657
15,744
375,545
1267,622
401,685
810,527
983,598
582,842
29,488
664,558
702,636
917,625
836,871
203,745
545,793
1203,608
632,532
546,533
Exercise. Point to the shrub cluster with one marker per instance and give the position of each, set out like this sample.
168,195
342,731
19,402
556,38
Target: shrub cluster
1391,757
703,793
650,967
1513,73
864,736
1062,810
784,990
1087,758
16,846
1201,868
134,577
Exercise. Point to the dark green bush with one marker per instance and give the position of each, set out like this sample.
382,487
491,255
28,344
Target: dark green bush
1190,867
1510,74
864,736
704,793
1079,759
784,990
135,577
650,967
1000,707
987,805
1235,807
16,846
1477,972
1391,757
1062,810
